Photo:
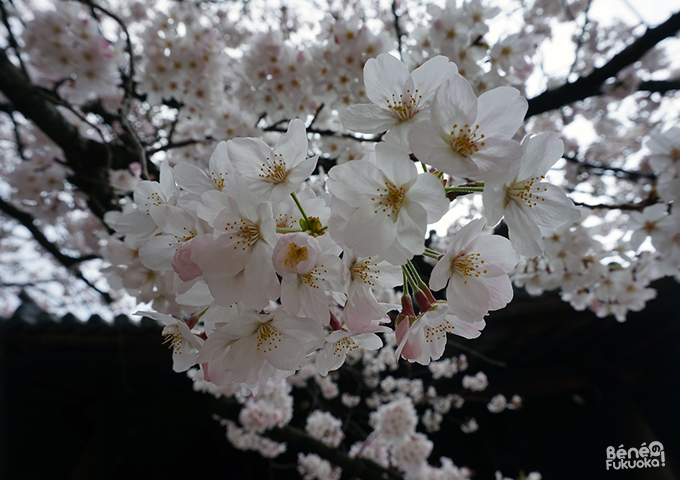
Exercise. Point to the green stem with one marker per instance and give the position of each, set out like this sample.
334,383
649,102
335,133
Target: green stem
405,281
287,230
424,167
414,272
409,277
302,211
203,312
464,189
435,256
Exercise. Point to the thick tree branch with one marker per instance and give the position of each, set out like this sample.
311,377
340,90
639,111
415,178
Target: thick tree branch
87,158
591,85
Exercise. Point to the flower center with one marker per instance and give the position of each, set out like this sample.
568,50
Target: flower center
247,233
466,141
362,272
343,346
296,255
404,108
219,179
390,198
174,339
267,338
469,265
274,171
526,192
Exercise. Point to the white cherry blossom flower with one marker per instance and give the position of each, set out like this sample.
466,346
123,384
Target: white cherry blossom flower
273,173
424,339
307,293
469,137
399,98
527,201
183,343
476,269
196,181
382,205
178,226
245,237
148,196
244,346
338,344
365,274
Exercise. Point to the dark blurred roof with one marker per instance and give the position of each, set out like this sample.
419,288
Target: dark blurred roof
100,400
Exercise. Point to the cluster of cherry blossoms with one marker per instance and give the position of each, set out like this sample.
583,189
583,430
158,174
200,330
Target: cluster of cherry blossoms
275,270
300,170
396,408
67,48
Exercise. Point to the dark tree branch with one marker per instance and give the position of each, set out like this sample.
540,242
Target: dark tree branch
659,86
397,29
627,206
591,85
326,133
65,260
619,172
183,143
316,114
351,467
29,222
87,158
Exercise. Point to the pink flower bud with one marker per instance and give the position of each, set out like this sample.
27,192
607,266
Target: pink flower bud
182,263
295,253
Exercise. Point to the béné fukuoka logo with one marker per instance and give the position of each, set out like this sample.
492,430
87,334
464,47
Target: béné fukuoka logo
643,457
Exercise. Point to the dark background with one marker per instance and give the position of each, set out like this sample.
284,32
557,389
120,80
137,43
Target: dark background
99,401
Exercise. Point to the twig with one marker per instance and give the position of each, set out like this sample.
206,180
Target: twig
477,354
397,29
316,114
615,170
128,81
627,206
28,221
184,143
327,133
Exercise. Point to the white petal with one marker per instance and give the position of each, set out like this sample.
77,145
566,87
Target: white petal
501,112
429,193
431,74
367,118
524,234
369,232
384,76
540,153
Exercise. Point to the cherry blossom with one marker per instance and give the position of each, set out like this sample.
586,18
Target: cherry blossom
382,206
476,269
399,98
470,137
528,202
273,173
